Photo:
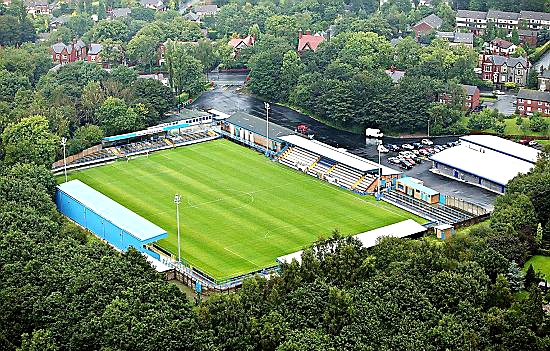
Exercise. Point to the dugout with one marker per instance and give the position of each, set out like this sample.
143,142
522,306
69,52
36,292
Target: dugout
106,218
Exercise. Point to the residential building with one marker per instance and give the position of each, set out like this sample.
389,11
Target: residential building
535,20
476,21
75,51
544,80
473,21
94,53
427,25
240,43
206,10
529,101
37,7
309,41
501,19
394,74
500,47
122,12
501,69
456,38
193,17
58,22
528,36
473,97
157,5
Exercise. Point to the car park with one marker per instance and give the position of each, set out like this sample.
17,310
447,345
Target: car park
407,147
383,149
417,145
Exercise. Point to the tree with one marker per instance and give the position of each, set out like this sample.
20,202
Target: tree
143,50
500,294
154,95
291,69
116,117
115,30
40,340
530,277
185,71
10,83
537,122
80,24
30,141
101,10
85,137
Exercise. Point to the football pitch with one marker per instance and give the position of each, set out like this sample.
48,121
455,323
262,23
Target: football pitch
239,210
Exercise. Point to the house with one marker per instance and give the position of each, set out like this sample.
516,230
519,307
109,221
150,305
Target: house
427,25
394,74
500,47
529,101
501,69
456,38
58,22
193,17
94,53
308,41
473,97
122,12
535,20
157,5
206,10
61,53
37,7
528,36
473,21
544,80
240,43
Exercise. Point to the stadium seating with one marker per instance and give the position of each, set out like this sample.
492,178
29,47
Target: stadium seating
365,183
299,158
346,175
321,167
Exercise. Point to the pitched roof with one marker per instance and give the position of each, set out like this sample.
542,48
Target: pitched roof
471,14
544,16
310,40
527,32
502,43
191,16
248,41
58,47
258,125
534,95
469,89
432,21
502,15
121,12
457,38
509,61
207,8
545,74
95,49
79,44
395,75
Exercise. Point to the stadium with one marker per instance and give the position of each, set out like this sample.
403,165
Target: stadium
239,210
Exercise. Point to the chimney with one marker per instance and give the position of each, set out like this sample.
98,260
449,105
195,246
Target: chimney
300,34
308,32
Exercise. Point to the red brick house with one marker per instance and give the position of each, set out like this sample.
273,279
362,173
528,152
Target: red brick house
308,41
427,25
500,47
94,53
501,69
240,43
528,37
61,53
529,101
471,99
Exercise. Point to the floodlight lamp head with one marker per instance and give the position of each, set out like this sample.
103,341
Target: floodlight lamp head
177,199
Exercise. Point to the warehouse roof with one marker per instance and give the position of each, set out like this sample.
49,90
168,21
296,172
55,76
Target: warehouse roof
337,155
112,211
258,125
498,169
369,239
504,146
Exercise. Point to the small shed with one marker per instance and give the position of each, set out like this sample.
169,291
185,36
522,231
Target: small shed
415,188
444,231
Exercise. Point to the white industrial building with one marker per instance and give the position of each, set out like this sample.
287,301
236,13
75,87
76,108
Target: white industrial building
486,161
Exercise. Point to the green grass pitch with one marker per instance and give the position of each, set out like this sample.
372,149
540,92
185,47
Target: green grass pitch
239,210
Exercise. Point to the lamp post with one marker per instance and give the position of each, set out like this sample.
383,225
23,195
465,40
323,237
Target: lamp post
428,127
266,104
379,169
64,144
177,200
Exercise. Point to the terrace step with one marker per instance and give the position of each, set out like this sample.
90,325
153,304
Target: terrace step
357,182
332,168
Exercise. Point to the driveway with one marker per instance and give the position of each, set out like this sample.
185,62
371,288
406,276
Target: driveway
504,104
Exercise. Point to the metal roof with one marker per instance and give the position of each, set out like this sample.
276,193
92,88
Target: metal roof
337,155
412,183
258,125
112,211
504,146
471,14
498,169
369,239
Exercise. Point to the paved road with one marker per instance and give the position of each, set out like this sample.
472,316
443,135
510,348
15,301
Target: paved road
227,99
505,104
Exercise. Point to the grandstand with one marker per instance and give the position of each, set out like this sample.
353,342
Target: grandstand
334,165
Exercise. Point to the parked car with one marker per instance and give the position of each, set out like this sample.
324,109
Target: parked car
394,160
417,145
524,141
533,143
424,152
383,149
498,92
427,142
416,152
393,147
407,147
438,147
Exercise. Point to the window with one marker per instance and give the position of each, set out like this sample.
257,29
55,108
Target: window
520,108
546,111
528,108
519,72
529,102
540,102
